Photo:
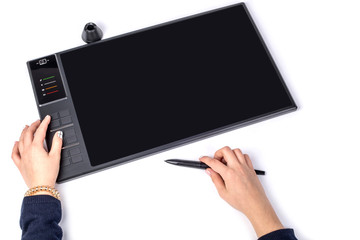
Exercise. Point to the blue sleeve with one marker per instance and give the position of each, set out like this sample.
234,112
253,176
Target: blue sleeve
282,234
40,217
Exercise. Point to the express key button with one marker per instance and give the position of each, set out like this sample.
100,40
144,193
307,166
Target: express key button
69,132
70,140
54,115
65,162
74,151
76,159
65,154
64,113
55,124
65,120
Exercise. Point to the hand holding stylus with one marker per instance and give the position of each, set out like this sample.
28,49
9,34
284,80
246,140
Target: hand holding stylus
236,182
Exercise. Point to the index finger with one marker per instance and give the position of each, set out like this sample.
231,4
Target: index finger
214,164
41,131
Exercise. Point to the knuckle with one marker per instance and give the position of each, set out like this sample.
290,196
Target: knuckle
36,145
21,145
211,161
226,148
25,128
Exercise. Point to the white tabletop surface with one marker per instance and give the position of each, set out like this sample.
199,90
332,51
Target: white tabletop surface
311,156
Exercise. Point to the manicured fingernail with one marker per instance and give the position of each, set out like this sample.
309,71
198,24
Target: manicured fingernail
60,134
208,172
47,116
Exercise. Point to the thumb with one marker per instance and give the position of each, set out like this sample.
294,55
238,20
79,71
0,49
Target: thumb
57,144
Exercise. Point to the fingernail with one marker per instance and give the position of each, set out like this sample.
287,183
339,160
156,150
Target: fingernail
201,156
60,134
208,172
47,116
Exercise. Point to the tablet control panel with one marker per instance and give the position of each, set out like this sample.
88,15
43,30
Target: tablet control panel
47,80
53,98
71,150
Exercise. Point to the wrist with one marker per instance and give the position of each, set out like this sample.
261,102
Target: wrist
41,182
265,220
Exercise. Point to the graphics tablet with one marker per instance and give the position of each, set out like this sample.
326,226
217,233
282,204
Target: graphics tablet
139,93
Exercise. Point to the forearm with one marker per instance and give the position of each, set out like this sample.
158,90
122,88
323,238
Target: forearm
40,217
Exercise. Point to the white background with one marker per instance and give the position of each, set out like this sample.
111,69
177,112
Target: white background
311,156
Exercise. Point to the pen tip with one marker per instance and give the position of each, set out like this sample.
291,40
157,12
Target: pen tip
171,161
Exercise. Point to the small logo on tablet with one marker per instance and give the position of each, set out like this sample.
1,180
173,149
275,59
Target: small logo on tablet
43,61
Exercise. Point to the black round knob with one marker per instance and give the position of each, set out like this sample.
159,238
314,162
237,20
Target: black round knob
91,33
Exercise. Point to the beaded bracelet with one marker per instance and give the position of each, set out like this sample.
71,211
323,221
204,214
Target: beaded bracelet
49,189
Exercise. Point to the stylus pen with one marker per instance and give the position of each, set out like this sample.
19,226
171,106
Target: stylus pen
197,164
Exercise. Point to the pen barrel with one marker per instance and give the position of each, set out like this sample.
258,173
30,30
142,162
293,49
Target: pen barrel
193,164
259,172
203,165
199,165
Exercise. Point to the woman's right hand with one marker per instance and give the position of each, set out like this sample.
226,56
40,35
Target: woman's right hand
237,183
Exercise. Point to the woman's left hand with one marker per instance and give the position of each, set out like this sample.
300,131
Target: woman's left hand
37,166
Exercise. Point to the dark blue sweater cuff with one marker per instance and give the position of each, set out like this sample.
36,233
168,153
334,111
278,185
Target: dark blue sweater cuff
41,199
40,217
282,234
